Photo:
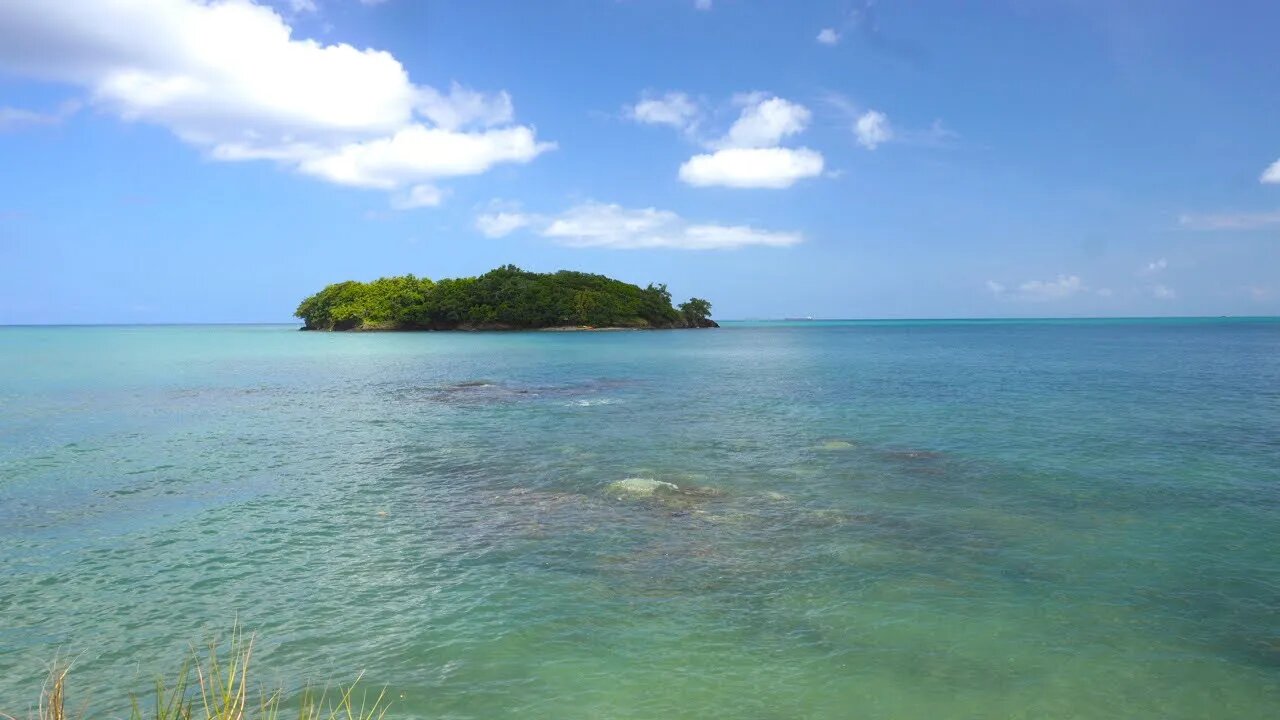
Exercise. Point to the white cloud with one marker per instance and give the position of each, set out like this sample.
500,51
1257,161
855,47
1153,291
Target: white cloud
418,152
417,197
674,108
1162,292
872,128
301,6
612,226
712,237
1271,174
1061,288
841,104
752,167
229,77
1064,286
502,223
938,135
463,107
702,4
12,118
748,156
764,122
1229,221
1153,267
828,36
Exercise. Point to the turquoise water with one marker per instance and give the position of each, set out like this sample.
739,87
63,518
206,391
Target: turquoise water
1066,519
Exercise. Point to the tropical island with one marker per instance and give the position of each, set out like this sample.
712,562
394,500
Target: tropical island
506,298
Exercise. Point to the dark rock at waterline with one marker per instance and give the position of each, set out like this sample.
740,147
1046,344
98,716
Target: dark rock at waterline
359,326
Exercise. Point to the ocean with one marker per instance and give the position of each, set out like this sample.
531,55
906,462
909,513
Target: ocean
891,519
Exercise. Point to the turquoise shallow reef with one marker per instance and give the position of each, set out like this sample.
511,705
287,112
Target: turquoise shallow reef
1055,519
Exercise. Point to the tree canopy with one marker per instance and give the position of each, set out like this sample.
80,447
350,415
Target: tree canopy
505,298
696,312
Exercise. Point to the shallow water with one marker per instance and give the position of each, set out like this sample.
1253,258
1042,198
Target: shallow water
1066,519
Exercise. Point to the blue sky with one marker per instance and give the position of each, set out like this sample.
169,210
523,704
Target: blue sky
187,161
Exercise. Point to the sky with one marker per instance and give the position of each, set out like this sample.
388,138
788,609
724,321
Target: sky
219,160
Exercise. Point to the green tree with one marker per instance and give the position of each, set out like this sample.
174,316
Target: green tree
696,311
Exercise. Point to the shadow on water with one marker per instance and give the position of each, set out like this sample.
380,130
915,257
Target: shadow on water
481,392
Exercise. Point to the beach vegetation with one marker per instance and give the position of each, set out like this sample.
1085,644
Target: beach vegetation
212,685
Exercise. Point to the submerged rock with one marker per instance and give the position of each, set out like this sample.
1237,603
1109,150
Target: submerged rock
642,487
701,491
732,517
826,518
836,445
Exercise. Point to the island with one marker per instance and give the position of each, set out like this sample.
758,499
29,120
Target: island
506,298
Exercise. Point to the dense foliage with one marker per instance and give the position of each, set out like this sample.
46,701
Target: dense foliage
695,312
507,297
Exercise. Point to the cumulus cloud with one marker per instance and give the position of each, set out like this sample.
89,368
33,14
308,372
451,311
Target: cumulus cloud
828,36
229,77
602,225
872,128
418,196
463,107
1162,292
1153,267
502,223
749,154
1229,221
675,109
775,167
1271,174
1064,286
1061,288
421,152
613,226
764,122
